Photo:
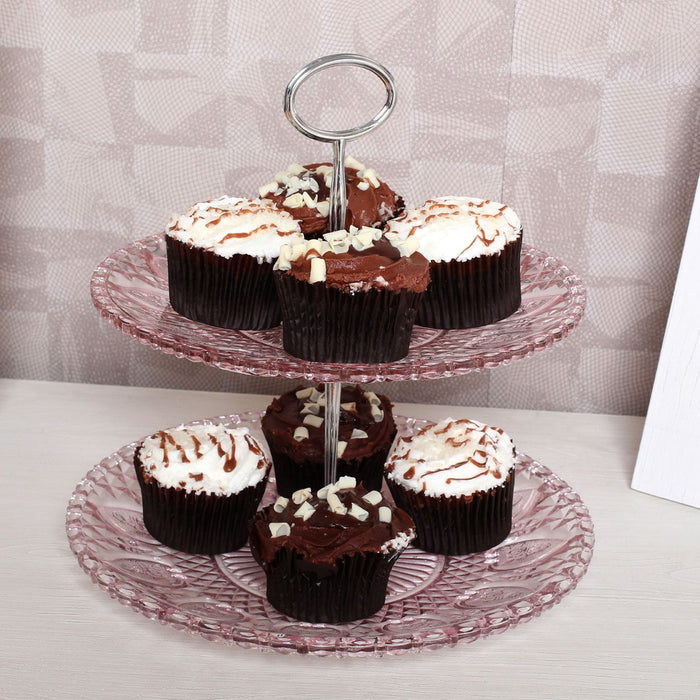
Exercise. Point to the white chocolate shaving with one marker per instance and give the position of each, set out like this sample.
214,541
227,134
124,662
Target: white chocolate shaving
305,511
384,514
325,490
342,445
318,270
373,399
297,250
283,262
317,246
369,175
358,512
350,406
372,497
407,247
301,433
294,201
267,189
358,434
335,237
305,393
346,482
279,529
353,163
315,421
377,413
335,504
301,495
363,240
280,504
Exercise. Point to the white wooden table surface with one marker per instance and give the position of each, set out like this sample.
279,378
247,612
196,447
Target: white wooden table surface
630,629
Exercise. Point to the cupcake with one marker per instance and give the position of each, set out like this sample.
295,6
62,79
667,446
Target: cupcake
220,256
294,428
303,191
350,297
200,486
473,246
455,479
327,557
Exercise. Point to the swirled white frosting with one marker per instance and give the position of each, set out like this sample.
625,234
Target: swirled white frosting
208,458
233,226
457,228
452,458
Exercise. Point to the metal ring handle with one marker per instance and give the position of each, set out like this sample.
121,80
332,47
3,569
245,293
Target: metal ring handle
339,59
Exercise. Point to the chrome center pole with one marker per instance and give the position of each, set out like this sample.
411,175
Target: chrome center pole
338,194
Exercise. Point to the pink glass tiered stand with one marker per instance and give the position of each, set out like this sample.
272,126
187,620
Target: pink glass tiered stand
432,600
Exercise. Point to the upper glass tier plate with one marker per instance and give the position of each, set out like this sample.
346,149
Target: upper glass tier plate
130,288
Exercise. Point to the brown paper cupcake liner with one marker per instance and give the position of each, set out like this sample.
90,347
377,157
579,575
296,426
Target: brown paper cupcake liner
236,292
197,523
458,524
472,293
354,590
324,324
291,475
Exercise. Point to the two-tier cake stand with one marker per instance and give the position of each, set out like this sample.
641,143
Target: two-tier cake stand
432,600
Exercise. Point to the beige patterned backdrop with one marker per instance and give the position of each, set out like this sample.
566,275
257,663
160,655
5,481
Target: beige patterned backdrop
583,116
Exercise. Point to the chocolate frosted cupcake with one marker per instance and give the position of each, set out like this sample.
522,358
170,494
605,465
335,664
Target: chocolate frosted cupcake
200,486
303,191
350,297
328,556
473,246
294,427
220,256
456,481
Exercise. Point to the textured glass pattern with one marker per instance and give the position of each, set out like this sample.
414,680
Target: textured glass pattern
130,288
432,600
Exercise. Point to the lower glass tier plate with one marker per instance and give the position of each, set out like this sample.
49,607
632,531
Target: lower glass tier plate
130,289
432,600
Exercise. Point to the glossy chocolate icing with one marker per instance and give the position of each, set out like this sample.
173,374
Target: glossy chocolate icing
373,206
284,415
325,537
380,266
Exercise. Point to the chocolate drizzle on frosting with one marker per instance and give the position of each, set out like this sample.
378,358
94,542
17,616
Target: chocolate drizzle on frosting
457,228
440,459
207,457
231,225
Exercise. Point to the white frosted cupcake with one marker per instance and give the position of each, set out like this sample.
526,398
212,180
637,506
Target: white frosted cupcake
455,479
200,486
473,246
220,257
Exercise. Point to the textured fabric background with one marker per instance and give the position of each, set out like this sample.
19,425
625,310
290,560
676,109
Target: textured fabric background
583,116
